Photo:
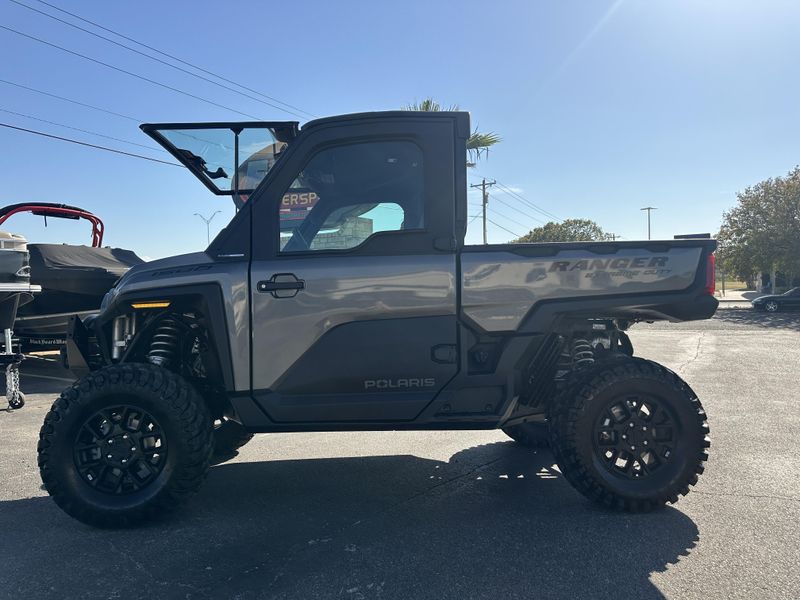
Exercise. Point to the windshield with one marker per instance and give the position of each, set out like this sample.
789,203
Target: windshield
793,292
230,159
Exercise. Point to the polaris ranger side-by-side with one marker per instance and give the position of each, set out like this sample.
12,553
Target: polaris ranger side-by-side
342,297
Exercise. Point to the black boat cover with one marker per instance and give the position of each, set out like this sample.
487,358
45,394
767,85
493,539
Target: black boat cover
74,278
53,257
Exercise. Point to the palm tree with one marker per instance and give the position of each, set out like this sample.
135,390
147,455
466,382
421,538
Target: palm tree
478,143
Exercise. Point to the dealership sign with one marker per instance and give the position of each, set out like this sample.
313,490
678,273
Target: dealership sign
296,205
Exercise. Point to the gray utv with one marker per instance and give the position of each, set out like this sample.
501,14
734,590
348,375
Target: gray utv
342,297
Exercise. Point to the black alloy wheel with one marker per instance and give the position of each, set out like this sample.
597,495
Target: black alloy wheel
634,436
120,450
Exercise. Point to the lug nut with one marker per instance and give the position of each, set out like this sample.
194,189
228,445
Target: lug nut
631,425
645,442
624,437
133,449
125,437
124,461
633,447
108,456
644,428
110,442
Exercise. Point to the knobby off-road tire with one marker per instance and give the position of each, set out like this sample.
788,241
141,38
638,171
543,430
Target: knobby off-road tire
530,435
229,436
630,435
124,445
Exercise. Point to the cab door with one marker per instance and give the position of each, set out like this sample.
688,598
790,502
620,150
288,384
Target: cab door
353,272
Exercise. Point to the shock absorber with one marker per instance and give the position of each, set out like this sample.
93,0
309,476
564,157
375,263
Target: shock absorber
165,344
582,353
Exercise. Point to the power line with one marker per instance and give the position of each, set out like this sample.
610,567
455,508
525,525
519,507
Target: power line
102,135
64,139
516,208
126,72
175,58
532,205
512,218
110,112
496,211
503,228
163,62
130,118
521,198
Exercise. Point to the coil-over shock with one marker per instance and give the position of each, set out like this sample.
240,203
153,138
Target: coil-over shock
165,345
582,353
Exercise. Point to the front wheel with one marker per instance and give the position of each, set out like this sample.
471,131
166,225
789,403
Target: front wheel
771,306
125,444
630,435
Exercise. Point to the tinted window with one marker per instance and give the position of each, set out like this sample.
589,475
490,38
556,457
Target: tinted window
347,193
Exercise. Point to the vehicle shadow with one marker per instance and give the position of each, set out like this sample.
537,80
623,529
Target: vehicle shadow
494,521
749,316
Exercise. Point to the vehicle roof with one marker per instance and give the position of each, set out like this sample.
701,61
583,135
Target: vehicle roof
459,115
380,114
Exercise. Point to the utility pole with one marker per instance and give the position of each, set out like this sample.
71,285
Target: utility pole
649,209
208,224
483,185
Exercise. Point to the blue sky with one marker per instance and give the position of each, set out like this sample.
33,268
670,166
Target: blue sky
604,107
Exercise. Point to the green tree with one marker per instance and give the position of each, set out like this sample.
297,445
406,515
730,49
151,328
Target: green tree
477,144
762,232
571,230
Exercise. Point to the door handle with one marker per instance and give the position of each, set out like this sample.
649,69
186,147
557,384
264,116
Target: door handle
281,285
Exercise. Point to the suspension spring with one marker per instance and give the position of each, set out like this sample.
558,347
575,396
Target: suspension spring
582,353
165,345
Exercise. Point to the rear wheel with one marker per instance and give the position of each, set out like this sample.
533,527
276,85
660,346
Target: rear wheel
630,435
531,435
125,444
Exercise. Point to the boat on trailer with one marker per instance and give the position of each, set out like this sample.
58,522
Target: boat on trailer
73,278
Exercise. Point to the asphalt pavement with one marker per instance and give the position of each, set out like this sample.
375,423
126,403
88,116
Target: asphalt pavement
401,515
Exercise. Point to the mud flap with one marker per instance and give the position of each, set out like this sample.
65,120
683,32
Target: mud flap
77,346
